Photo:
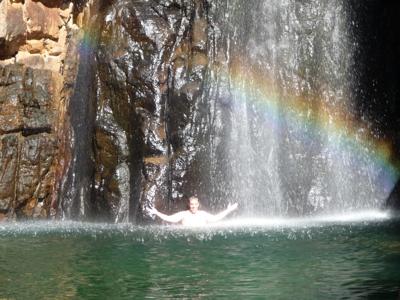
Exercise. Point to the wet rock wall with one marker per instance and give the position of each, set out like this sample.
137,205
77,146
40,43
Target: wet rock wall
100,130
151,63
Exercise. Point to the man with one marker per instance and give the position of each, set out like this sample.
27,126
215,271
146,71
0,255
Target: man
193,216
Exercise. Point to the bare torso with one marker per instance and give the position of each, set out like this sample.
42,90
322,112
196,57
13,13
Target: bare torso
195,219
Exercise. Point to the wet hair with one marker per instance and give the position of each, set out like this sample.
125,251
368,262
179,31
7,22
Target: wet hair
192,198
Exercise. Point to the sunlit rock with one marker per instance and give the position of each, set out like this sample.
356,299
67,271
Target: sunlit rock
12,28
41,20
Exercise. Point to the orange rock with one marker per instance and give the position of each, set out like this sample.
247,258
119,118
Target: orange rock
34,46
35,61
12,28
41,20
50,45
199,38
52,63
3,217
156,160
199,59
11,116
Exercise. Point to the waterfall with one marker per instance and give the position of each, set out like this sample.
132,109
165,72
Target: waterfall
295,142
251,102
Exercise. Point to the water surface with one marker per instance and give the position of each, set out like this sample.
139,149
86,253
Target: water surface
354,257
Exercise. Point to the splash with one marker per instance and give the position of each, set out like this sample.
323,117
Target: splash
72,228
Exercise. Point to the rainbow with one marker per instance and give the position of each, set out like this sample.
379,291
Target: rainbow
342,128
344,131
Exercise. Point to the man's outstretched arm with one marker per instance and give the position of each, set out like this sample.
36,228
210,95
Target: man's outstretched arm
223,214
175,218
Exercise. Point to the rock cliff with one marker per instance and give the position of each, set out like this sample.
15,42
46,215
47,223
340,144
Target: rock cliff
96,105
37,74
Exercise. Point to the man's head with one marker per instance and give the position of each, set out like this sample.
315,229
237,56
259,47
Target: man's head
193,204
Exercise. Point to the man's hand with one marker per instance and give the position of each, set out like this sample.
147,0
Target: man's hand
152,210
232,207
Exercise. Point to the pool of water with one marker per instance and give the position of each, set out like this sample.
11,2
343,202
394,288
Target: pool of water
328,258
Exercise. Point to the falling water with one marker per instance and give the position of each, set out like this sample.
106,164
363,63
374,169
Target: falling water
253,102
293,145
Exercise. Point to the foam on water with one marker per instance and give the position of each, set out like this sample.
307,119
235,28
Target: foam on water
74,227
361,216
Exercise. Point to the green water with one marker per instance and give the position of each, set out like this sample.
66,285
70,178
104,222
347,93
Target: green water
351,260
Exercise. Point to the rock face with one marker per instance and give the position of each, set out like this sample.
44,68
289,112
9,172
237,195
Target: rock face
149,76
99,122
27,143
37,74
144,90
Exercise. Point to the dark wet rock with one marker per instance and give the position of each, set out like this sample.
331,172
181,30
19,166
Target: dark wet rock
25,100
166,106
152,97
28,147
8,168
134,71
35,176
393,201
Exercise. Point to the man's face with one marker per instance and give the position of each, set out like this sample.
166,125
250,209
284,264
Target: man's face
193,205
